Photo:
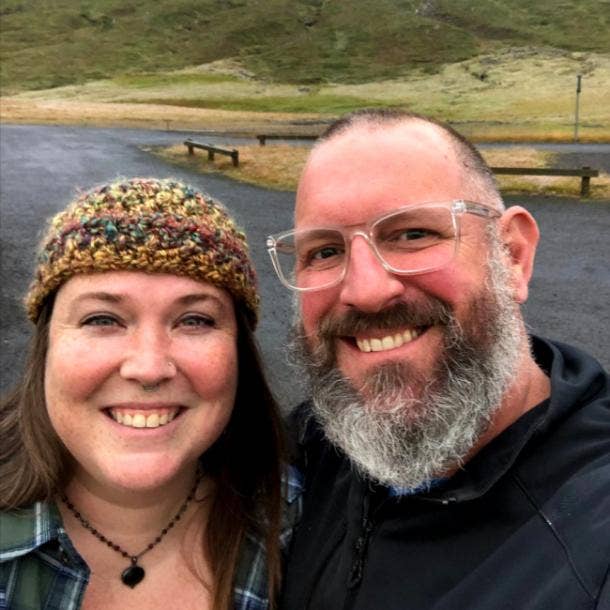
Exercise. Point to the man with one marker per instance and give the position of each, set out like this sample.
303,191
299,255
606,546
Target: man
451,461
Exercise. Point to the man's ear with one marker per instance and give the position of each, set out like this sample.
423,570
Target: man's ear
519,234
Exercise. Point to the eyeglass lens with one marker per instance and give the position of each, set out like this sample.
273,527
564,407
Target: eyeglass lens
408,241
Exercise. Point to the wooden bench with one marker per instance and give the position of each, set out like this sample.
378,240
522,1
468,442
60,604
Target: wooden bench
212,150
262,138
585,174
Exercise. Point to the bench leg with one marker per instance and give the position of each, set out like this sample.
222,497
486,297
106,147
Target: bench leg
585,185
261,140
235,158
190,149
210,155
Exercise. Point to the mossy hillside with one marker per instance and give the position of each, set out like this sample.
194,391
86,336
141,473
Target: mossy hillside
310,42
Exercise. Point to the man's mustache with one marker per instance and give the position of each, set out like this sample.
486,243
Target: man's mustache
432,312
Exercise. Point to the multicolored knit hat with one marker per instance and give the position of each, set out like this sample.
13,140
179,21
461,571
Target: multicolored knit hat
156,226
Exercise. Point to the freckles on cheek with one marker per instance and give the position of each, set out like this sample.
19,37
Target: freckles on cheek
213,373
71,369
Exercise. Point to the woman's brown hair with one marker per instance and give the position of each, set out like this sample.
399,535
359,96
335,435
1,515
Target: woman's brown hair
245,462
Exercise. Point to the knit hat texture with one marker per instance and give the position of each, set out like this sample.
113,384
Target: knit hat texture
155,226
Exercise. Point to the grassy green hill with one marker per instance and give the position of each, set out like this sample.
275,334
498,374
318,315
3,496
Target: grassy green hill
51,43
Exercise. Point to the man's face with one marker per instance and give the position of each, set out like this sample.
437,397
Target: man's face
448,341
348,181
404,429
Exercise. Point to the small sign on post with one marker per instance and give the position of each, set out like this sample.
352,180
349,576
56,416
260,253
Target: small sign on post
578,88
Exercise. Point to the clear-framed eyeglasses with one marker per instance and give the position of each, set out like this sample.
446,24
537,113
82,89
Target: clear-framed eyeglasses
410,240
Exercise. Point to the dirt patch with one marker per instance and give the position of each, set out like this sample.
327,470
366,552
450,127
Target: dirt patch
278,166
155,116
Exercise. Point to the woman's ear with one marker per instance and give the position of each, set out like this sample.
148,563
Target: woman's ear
519,234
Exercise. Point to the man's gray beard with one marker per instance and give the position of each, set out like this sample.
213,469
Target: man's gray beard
404,431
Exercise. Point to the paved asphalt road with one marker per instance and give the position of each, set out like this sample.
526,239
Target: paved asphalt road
41,168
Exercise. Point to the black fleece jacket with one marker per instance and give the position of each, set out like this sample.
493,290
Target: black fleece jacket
524,526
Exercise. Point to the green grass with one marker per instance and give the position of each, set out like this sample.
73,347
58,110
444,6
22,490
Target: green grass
163,79
61,42
526,94
322,104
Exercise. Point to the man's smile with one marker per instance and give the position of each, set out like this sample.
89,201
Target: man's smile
387,342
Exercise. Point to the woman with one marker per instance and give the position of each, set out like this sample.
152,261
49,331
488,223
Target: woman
140,453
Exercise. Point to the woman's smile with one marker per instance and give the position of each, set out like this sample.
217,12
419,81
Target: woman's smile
141,416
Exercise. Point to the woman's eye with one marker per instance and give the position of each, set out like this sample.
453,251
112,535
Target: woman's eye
100,320
196,321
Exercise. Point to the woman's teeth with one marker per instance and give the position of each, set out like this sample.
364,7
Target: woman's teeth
143,419
382,344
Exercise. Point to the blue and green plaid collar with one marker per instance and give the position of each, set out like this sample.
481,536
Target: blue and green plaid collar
28,529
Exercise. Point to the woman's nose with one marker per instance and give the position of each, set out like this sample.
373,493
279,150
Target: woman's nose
147,359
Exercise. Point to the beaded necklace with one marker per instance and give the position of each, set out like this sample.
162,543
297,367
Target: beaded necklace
134,573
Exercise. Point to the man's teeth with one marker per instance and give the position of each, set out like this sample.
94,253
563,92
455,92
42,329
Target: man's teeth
143,419
388,342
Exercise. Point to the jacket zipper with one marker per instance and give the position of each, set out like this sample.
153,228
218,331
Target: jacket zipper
360,549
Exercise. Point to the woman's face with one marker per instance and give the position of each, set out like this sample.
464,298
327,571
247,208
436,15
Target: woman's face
141,375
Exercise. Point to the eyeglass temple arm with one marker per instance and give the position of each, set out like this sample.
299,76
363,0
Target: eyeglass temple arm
477,209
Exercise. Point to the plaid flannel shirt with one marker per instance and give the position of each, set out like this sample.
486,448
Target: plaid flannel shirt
40,568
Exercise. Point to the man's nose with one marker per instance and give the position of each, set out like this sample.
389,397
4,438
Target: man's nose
148,357
367,285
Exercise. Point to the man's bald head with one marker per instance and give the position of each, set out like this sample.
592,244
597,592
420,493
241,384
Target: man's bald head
478,179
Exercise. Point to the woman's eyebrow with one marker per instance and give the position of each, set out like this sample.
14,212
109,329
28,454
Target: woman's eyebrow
115,298
189,299
109,297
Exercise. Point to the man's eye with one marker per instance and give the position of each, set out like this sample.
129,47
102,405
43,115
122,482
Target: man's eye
325,252
100,320
412,234
322,256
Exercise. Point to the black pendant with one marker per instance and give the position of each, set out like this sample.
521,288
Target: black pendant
132,575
